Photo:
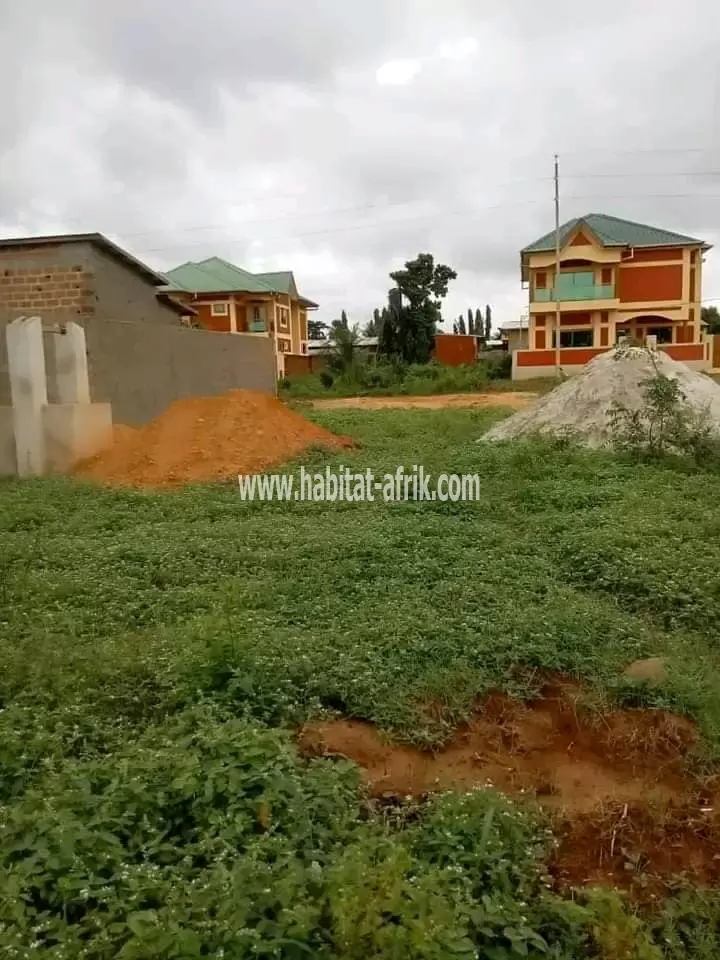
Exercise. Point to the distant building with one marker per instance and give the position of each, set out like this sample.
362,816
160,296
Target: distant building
228,299
515,334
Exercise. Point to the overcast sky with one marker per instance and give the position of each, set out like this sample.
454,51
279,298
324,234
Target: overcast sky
338,139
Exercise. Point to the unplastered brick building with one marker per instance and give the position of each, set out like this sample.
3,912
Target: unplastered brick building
85,276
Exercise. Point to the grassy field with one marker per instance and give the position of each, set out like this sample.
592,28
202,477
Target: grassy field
384,379
159,649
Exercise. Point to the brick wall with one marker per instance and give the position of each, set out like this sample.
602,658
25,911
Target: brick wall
47,289
79,279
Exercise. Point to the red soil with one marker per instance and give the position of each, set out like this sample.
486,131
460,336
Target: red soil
207,438
617,783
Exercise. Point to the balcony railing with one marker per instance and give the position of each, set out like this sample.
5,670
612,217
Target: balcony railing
593,291
257,326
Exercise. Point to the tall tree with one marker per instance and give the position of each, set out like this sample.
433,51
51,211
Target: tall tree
344,320
488,321
455,327
479,325
710,317
471,322
317,330
461,325
372,328
410,333
344,343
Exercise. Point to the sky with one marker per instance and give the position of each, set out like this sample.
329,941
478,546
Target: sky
340,139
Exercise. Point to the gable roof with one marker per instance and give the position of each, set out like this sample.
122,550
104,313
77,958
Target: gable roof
614,232
98,240
216,275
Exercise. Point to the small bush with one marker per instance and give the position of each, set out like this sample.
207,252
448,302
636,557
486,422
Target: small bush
665,424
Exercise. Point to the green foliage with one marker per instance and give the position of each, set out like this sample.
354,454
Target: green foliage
154,644
344,340
664,425
409,331
374,327
382,378
317,330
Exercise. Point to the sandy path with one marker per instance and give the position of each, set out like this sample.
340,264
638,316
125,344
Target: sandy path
499,399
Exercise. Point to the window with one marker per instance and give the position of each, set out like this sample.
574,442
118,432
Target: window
540,280
283,318
256,313
283,346
575,338
577,278
606,276
304,348
663,334
220,309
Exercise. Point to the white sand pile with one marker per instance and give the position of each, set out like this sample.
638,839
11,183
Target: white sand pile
581,405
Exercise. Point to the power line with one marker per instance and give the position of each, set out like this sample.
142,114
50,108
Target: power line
330,211
464,211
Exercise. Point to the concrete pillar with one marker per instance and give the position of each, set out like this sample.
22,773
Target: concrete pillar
28,392
71,369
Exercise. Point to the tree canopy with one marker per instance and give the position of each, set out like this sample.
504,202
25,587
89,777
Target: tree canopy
409,333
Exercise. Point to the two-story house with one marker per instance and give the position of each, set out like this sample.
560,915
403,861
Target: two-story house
229,299
616,279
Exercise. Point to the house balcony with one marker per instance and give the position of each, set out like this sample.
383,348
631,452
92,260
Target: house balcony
257,326
574,292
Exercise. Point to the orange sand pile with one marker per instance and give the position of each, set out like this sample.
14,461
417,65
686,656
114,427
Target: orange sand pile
207,438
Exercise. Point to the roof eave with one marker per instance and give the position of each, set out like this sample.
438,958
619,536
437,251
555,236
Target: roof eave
183,309
95,239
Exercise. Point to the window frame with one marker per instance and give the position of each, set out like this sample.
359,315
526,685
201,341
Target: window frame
223,312
572,334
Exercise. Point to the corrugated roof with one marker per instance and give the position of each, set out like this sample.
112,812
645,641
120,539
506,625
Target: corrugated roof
281,281
614,232
214,275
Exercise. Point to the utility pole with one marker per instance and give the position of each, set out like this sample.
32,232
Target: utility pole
556,178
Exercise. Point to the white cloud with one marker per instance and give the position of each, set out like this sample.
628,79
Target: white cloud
458,49
280,149
397,73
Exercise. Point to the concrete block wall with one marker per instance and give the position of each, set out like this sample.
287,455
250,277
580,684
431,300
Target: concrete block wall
48,280
141,368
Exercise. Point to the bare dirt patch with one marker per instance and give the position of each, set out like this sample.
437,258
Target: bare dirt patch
617,782
435,402
201,439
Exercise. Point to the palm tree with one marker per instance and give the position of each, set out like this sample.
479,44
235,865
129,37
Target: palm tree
343,343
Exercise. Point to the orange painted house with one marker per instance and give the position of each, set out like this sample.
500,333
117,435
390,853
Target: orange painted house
617,279
229,299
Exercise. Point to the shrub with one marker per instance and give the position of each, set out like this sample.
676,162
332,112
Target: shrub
665,424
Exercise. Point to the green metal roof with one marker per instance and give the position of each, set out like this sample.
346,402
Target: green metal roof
614,232
216,275
281,282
